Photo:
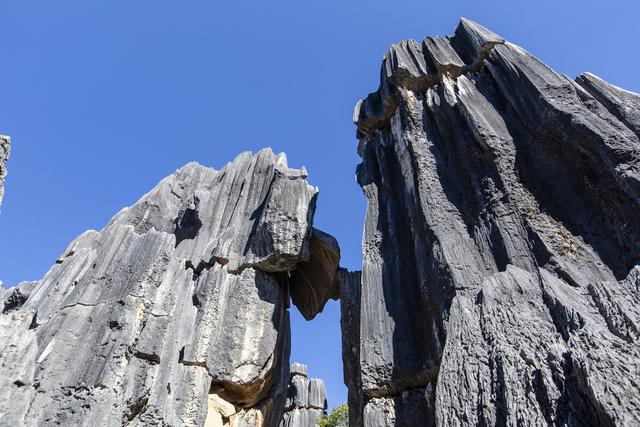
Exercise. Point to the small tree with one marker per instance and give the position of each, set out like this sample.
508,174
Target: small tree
339,417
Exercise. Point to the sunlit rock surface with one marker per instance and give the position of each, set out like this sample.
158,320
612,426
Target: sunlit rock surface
502,237
306,399
176,313
5,148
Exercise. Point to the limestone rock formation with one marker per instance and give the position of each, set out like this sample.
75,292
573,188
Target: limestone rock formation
175,314
350,298
316,280
5,147
500,281
306,399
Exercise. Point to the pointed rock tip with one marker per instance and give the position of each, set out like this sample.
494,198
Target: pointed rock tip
299,369
470,23
356,111
590,79
588,74
240,156
477,31
281,158
282,163
191,166
265,151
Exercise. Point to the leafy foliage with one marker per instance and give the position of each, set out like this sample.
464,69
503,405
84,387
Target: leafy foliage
339,417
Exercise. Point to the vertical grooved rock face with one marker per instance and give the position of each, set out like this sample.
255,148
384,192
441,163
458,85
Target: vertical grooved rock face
174,314
350,298
306,399
5,147
500,279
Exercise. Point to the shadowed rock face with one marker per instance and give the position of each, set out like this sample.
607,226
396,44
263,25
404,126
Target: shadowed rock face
314,282
499,282
5,146
176,313
350,296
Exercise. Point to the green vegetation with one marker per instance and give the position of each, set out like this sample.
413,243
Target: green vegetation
339,417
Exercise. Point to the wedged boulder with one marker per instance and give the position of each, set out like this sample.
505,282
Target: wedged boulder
501,242
314,282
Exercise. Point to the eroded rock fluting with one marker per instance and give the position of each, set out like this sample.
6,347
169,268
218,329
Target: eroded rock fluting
500,283
176,313
306,399
5,147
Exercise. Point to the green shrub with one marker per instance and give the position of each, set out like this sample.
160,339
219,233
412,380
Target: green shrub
339,417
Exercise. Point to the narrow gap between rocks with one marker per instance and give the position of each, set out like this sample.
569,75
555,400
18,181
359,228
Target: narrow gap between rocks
318,344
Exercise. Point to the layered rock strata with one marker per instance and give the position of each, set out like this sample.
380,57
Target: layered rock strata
500,279
306,399
5,147
176,313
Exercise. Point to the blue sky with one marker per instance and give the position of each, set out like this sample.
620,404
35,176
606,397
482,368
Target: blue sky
105,98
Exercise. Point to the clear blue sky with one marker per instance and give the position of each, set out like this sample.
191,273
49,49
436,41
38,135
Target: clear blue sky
104,98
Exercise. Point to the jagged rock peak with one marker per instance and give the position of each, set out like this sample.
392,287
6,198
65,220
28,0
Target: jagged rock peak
501,243
419,66
175,313
306,399
5,148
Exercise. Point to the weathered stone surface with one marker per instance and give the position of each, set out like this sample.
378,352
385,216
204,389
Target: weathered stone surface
5,148
350,294
306,399
624,105
299,369
299,417
174,314
317,394
499,282
298,392
221,406
314,282
553,355
406,409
